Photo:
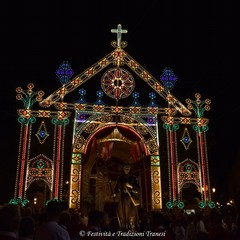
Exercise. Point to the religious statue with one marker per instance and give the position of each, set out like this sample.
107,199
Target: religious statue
127,186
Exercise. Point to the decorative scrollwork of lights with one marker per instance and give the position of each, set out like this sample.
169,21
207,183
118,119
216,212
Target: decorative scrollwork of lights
117,83
203,204
171,204
20,201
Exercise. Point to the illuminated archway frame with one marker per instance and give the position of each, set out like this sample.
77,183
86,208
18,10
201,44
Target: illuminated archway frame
86,129
119,57
40,168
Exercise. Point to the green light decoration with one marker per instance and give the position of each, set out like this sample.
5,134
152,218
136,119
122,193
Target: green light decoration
21,201
200,129
54,200
64,121
198,106
171,204
203,204
173,127
180,204
211,204
26,120
40,164
29,97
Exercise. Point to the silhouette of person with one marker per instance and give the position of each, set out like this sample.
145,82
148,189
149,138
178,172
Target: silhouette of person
26,228
10,216
127,186
50,229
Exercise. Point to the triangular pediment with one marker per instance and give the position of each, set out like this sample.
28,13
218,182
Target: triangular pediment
116,60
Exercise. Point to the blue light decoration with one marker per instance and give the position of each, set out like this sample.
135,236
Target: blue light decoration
81,99
135,102
64,72
81,117
186,139
40,164
152,97
99,100
168,78
42,133
151,121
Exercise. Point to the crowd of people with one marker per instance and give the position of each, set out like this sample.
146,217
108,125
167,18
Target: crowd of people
58,223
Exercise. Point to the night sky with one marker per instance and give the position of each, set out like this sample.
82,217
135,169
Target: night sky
192,38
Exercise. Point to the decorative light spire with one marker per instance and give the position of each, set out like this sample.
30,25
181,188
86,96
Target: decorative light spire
29,97
198,106
82,93
64,72
168,78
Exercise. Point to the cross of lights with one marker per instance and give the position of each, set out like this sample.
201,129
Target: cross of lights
119,32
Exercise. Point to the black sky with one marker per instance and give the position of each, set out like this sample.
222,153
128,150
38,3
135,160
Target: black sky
193,38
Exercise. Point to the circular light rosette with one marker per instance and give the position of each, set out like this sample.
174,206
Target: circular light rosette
117,83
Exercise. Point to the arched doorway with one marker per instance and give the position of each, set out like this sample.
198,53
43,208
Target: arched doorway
37,194
190,195
110,150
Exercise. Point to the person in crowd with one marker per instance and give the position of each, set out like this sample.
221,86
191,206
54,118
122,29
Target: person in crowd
50,229
77,224
10,216
159,224
201,230
113,225
178,230
236,232
96,225
191,233
64,219
94,221
216,230
26,228
127,186
144,220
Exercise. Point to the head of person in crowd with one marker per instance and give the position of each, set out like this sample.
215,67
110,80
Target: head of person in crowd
53,210
10,216
26,228
64,219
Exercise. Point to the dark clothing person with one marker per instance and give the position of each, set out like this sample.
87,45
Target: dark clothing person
26,228
128,187
216,230
10,216
50,229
